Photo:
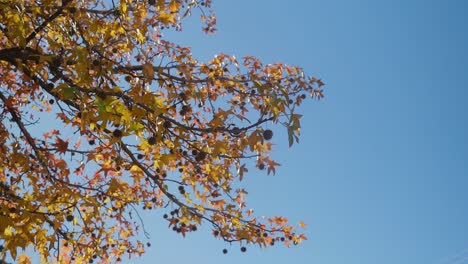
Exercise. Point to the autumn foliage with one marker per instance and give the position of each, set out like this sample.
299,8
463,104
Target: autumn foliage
102,117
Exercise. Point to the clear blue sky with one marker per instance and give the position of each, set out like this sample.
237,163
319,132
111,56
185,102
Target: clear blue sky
381,173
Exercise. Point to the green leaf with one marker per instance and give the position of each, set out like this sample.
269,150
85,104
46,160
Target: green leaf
66,91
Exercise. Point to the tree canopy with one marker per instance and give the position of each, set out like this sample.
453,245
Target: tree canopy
102,117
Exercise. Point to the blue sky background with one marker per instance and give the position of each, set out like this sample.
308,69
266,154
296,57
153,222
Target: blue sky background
380,174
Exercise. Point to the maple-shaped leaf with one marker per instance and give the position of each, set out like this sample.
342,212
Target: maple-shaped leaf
61,145
272,166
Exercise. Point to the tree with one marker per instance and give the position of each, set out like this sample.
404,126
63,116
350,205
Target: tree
134,121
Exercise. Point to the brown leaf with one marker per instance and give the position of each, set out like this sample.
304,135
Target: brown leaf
61,145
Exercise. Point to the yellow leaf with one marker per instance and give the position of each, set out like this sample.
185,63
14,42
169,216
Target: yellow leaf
140,36
302,224
123,6
166,18
200,208
23,259
135,169
160,4
113,185
8,231
166,159
158,104
174,6
235,221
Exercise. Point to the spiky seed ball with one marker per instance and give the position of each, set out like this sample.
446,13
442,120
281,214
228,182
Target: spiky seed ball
200,156
236,131
117,133
152,140
268,134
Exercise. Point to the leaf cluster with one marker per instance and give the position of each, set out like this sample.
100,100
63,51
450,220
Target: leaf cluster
134,122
